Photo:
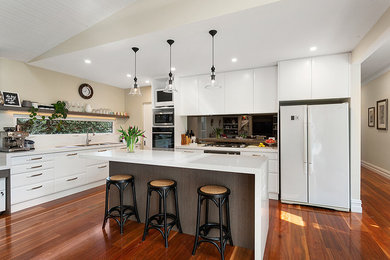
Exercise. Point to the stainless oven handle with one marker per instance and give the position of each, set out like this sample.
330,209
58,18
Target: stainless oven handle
163,133
163,113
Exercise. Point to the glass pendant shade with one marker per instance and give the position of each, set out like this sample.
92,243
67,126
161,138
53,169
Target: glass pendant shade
135,90
170,86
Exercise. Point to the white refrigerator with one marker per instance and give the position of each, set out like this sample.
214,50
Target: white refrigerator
314,155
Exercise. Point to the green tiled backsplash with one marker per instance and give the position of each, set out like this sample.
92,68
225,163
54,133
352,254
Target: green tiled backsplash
67,127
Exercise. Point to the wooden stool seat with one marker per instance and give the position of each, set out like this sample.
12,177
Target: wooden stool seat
162,183
213,189
120,177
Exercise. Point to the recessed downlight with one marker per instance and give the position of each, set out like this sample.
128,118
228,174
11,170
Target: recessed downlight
87,61
128,75
147,81
313,48
234,59
173,68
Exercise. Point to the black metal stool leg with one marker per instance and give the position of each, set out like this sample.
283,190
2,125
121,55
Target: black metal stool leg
106,205
147,215
135,202
160,218
206,218
165,218
178,224
228,221
222,248
121,206
197,226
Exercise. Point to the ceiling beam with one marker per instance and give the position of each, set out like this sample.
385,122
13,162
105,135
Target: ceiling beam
146,16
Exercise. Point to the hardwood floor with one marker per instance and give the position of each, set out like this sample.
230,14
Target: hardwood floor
70,228
299,232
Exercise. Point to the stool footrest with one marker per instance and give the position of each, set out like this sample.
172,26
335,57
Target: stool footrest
159,218
205,229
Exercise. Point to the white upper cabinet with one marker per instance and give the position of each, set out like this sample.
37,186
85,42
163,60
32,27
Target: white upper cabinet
211,100
294,78
239,92
265,92
330,76
188,92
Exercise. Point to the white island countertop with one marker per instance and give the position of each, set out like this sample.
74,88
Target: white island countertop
4,167
213,162
251,148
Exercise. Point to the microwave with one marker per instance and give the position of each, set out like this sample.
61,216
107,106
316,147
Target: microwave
163,99
163,117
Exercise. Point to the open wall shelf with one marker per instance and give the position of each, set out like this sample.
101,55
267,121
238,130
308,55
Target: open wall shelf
25,110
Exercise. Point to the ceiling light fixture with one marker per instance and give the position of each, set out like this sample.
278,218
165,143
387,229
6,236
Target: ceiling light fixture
313,48
213,82
173,68
170,87
87,61
135,90
234,60
147,81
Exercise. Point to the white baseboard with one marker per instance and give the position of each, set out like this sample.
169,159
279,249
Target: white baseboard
356,206
273,196
376,169
54,196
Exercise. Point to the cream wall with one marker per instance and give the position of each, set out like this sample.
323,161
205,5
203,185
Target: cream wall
375,143
45,86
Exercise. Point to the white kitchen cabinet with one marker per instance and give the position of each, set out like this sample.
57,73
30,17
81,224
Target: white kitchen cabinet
31,191
239,92
28,178
265,90
97,172
3,195
188,92
67,164
70,182
211,100
330,76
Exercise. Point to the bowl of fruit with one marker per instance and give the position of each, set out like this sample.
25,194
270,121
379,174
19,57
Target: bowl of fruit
270,142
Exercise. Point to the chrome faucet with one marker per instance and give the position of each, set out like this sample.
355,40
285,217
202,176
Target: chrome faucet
87,141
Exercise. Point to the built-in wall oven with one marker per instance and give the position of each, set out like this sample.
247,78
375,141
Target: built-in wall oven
163,138
163,117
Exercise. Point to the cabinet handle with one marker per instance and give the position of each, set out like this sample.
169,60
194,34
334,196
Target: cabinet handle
71,154
35,167
73,179
257,155
101,167
35,188
189,151
2,193
36,158
35,175
100,151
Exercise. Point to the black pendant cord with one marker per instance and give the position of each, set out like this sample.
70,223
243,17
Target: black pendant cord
135,49
212,33
170,42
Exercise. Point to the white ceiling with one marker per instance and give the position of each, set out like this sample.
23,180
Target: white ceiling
377,64
256,37
30,27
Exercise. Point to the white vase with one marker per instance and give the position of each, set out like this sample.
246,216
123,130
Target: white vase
88,108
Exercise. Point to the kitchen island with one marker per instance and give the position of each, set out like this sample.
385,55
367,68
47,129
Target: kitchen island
246,177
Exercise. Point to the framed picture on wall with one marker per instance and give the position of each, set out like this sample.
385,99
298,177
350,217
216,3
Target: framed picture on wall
371,116
11,99
381,114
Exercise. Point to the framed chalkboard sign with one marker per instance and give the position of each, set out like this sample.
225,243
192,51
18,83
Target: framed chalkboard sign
11,99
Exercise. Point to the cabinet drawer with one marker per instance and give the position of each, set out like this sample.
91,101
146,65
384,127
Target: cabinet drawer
68,164
273,182
270,156
31,192
31,167
29,178
30,159
273,166
69,182
2,200
97,172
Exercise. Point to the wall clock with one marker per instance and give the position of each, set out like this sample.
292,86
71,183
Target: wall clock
85,91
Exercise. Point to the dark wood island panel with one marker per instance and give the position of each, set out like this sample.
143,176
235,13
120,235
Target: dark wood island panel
188,180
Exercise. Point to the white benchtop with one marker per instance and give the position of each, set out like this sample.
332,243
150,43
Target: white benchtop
213,162
4,167
67,148
233,149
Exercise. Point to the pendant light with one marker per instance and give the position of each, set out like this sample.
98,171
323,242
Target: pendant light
213,83
170,87
135,90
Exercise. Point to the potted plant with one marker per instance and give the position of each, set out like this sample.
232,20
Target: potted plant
131,136
218,132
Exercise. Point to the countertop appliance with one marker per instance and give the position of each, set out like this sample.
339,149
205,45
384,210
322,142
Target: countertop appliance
12,141
2,195
163,99
314,154
163,138
163,117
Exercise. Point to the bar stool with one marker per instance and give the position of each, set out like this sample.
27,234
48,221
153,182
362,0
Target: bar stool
220,196
160,221
123,212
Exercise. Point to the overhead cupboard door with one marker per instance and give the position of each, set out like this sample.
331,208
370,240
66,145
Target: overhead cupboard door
328,155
